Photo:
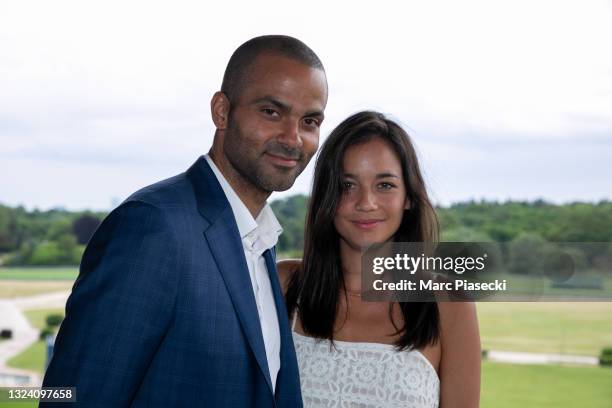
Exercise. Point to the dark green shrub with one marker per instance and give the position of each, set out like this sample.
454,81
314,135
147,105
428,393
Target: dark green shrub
45,332
605,359
54,320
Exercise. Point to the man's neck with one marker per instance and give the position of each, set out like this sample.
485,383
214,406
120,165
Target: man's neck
253,198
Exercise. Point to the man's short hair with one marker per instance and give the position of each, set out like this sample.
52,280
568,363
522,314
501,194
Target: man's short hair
241,60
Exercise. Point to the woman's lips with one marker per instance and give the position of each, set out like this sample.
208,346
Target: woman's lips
367,224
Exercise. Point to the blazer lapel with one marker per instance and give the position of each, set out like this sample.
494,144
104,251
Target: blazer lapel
288,380
226,246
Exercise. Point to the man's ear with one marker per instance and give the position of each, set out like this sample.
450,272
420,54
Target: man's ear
219,110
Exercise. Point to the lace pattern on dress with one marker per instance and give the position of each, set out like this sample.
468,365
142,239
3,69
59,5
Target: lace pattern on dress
364,375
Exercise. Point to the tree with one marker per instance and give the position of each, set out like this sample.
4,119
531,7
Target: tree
83,228
8,227
525,253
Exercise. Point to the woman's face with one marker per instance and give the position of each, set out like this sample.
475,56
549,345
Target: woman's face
374,195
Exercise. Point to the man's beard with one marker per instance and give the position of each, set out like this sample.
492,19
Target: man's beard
250,165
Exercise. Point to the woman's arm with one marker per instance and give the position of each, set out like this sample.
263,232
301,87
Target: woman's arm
460,360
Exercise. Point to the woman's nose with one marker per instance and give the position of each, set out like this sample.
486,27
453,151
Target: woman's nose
366,201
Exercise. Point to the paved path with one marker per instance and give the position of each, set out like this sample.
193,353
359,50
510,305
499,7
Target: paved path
12,317
44,301
540,358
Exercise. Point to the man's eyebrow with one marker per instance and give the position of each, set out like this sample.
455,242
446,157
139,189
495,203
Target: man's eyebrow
273,101
287,108
315,114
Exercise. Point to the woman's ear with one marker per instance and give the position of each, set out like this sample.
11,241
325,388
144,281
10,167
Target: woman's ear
407,205
219,109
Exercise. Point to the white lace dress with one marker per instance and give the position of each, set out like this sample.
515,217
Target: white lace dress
364,375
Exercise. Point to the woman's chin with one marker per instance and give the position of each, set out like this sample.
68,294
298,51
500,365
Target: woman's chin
363,243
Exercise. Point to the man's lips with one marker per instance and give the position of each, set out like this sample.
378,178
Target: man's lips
282,160
367,224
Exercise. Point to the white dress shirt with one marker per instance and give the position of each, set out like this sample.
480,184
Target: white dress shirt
257,236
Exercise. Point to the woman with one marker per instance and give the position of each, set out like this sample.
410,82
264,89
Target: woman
368,189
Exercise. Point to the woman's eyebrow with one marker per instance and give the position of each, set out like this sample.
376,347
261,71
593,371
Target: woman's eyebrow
378,176
385,175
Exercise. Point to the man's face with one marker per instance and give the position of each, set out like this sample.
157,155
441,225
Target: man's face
273,126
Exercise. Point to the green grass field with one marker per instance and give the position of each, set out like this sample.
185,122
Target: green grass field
567,328
32,358
39,273
571,328
503,385
510,386
18,404
525,386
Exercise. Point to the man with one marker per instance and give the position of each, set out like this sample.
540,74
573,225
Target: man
177,303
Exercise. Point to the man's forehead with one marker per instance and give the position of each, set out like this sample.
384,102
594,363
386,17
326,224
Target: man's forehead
267,65
265,58
284,82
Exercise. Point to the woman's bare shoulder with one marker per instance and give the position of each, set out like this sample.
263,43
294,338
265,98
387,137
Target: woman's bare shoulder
286,268
450,311
458,323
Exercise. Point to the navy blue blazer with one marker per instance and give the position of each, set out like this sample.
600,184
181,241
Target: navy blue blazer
163,312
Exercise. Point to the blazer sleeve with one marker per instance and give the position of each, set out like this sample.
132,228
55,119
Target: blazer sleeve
119,310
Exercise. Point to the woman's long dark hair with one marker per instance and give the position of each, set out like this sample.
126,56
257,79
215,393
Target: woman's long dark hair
318,283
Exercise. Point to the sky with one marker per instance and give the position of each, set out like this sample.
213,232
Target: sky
504,100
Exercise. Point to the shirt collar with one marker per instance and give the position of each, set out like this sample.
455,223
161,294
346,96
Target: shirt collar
263,231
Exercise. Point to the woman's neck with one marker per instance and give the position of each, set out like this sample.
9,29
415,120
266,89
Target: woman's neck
351,266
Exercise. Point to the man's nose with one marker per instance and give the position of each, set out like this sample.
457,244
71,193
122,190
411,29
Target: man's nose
290,134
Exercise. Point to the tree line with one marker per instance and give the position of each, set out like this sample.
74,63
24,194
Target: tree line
58,237
54,237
